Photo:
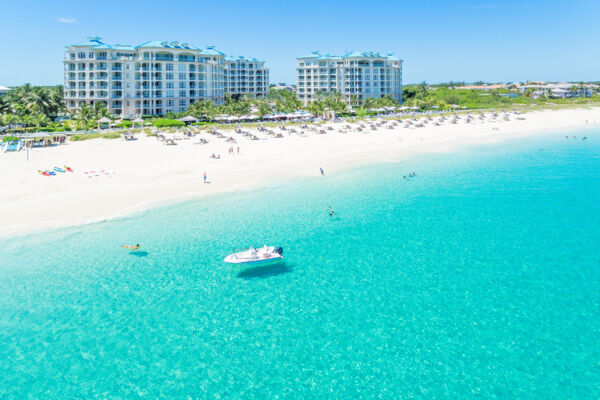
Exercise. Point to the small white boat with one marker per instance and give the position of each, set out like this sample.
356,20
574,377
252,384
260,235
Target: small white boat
252,256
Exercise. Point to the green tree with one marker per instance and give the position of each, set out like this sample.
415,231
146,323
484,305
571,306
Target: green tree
263,108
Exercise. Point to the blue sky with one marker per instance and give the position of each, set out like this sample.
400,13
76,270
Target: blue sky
438,40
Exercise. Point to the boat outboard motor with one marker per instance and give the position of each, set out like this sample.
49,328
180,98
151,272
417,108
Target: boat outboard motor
279,250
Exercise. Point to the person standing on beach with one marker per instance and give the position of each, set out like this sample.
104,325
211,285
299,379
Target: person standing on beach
238,150
204,176
322,171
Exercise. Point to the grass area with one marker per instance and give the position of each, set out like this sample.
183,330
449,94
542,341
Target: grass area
87,136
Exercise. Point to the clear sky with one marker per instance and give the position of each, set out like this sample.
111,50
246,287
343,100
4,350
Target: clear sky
460,40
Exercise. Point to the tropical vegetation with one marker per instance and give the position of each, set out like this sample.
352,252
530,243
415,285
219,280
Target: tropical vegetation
37,108
31,106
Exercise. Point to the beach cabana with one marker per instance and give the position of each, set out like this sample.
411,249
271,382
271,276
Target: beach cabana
137,121
103,120
188,120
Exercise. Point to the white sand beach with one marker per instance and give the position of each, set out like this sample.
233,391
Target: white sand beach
146,172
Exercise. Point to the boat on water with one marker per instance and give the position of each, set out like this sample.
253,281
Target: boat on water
252,256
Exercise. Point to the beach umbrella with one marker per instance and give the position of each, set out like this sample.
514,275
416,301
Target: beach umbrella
189,118
104,120
137,121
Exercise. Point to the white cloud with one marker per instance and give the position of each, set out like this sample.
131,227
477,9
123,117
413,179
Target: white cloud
64,20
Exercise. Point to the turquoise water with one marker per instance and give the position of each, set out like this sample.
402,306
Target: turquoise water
477,279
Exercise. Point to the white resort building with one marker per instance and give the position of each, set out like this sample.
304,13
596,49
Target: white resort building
150,79
360,74
246,76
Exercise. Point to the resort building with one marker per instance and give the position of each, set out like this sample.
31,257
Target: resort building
150,79
355,75
563,90
283,86
246,77
3,90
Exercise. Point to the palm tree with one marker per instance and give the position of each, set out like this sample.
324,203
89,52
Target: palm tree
263,108
85,114
40,120
100,110
316,107
369,103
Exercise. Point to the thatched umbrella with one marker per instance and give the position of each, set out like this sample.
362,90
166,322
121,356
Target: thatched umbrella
103,120
188,120
137,121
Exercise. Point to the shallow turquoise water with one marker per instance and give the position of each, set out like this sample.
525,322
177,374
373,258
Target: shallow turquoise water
479,278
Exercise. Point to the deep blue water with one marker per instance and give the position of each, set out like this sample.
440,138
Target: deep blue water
479,278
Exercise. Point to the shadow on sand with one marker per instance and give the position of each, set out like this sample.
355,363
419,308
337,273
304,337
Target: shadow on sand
265,271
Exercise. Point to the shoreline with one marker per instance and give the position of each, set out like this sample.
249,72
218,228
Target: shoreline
149,174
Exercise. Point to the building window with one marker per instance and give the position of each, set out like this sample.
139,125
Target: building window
182,103
91,55
81,54
169,75
169,67
169,85
182,67
181,85
182,77
169,94
170,103
182,93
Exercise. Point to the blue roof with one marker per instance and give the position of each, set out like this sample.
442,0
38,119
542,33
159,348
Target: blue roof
123,47
352,54
92,41
314,54
163,44
242,58
96,43
361,54
211,51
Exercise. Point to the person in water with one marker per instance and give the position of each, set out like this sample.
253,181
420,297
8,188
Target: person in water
322,171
